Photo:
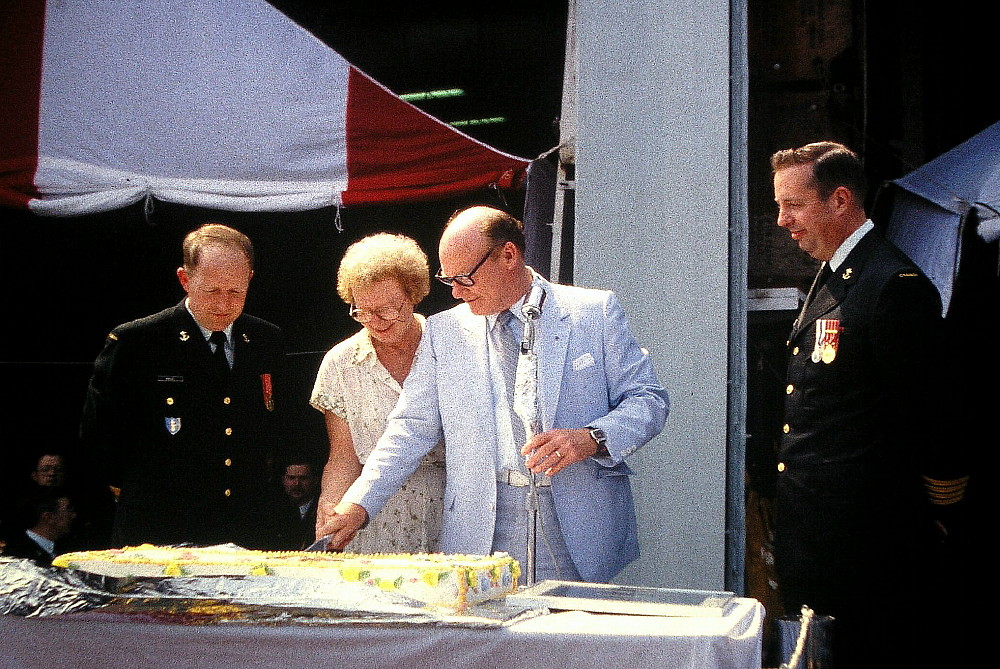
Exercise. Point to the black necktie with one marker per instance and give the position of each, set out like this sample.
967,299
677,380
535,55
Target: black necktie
824,274
219,339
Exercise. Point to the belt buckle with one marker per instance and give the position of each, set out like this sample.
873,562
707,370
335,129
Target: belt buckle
518,480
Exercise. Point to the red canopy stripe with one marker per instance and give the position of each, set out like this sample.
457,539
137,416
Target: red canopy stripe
21,83
396,152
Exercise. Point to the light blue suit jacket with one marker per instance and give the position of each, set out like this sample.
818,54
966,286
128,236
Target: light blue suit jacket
591,372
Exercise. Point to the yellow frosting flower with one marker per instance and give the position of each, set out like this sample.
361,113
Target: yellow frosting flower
173,569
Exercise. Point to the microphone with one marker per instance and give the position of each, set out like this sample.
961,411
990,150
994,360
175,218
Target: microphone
532,308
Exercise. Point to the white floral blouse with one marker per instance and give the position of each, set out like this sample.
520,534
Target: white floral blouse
354,385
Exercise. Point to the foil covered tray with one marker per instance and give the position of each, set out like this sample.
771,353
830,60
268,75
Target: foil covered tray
29,590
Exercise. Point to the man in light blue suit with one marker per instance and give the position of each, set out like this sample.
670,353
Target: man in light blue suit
598,396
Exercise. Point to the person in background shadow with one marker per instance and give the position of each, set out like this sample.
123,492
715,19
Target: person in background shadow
299,491
53,471
47,517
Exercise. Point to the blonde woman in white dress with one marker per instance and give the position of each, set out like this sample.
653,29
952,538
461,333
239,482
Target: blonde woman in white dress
382,277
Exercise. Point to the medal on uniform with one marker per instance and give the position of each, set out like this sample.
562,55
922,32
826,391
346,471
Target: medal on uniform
827,340
265,382
173,425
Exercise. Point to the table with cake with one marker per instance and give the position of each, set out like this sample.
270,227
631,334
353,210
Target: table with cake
289,609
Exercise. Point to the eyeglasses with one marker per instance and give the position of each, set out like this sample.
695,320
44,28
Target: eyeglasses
466,279
385,313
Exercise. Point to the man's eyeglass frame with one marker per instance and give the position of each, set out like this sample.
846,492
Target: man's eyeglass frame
466,279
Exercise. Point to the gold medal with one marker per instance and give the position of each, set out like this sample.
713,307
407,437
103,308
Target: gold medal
829,353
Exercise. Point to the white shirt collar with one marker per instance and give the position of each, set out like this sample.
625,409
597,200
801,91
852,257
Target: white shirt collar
205,332
46,545
848,245
304,508
515,308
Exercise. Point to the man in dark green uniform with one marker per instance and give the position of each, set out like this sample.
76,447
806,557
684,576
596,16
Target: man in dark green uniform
182,411
866,463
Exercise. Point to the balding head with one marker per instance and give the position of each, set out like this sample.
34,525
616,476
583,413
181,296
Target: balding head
486,245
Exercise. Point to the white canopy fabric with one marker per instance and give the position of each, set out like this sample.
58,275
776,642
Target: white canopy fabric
225,104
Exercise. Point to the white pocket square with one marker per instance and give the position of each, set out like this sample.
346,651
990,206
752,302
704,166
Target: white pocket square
583,362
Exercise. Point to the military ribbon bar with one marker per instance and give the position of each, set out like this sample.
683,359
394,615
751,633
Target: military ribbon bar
265,382
827,340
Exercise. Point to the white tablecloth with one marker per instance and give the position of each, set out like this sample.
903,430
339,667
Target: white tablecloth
569,639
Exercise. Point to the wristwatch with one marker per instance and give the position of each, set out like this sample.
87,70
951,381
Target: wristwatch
597,434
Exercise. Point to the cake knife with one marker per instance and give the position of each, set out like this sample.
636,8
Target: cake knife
320,544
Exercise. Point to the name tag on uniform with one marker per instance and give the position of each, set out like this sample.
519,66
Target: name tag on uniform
170,378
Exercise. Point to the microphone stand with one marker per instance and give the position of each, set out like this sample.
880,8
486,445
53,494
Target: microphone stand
526,407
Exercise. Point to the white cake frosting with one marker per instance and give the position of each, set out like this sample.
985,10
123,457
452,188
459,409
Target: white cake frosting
439,580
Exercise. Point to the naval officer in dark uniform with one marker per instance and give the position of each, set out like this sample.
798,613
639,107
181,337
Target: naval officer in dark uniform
867,466
183,409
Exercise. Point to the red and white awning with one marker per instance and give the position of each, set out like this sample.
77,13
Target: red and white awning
225,104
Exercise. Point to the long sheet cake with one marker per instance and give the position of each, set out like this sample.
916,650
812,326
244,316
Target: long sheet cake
442,581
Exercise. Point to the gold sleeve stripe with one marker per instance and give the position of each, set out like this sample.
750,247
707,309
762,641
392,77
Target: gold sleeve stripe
945,492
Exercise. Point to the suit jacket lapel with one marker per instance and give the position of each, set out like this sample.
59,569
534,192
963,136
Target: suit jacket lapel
242,345
479,401
551,342
189,334
835,289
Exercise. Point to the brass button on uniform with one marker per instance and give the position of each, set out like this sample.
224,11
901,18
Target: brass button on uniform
170,401
795,351
228,492
226,400
229,431
786,428
781,466
789,389
228,462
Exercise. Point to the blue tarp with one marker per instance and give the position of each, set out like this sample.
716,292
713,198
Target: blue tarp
934,201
